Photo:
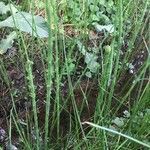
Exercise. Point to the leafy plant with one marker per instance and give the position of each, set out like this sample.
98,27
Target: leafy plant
23,21
90,58
26,22
7,43
99,28
7,8
96,11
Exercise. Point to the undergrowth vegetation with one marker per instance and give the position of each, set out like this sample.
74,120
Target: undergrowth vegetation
74,74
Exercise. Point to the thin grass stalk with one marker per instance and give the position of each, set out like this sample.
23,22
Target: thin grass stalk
133,85
72,97
49,75
135,33
10,128
109,58
33,96
30,78
118,133
119,25
3,73
106,78
21,134
28,67
15,118
57,66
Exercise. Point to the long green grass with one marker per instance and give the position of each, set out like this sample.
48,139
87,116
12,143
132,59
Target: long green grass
56,53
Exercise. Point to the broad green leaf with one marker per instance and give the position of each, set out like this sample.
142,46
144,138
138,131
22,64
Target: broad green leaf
94,17
88,74
7,43
118,121
6,8
71,67
34,25
102,2
109,28
90,58
94,8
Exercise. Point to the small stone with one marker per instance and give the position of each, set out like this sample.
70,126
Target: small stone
142,52
126,114
131,71
138,56
142,56
2,134
140,63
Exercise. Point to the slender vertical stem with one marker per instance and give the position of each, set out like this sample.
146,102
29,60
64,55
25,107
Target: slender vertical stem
49,70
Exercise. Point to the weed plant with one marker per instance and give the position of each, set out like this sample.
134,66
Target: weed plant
66,61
